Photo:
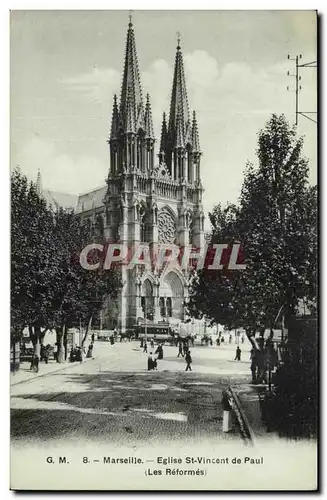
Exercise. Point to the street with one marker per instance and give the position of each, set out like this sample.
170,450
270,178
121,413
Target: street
113,397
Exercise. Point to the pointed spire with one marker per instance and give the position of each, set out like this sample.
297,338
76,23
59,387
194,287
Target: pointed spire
38,182
114,120
195,135
131,85
130,122
148,122
179,133
163,141
178,103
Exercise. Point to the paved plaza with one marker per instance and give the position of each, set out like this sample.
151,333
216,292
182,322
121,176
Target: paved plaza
113,397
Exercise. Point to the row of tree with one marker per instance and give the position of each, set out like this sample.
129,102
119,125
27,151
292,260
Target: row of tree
275,222
49,287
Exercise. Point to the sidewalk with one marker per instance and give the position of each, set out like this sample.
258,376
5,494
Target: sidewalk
24,374
249,396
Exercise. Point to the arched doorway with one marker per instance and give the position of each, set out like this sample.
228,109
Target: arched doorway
147,299
171,297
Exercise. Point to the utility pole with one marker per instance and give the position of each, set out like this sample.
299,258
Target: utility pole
298,87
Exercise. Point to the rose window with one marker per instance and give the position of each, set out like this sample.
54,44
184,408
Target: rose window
166,227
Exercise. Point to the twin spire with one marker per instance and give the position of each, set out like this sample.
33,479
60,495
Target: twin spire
130,115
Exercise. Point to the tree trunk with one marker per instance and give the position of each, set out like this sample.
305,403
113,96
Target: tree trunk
60,345
88,326
250,333
35,336
65,342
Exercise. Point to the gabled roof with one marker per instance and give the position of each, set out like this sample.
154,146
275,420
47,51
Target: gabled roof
57,199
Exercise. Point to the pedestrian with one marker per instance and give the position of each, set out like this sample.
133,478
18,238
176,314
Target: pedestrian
218,341
89,351
188,359
47,353
145,347
180,350
238,354
55,352
159,351
152,362
92,338
152,344
210,341
230,339
242,339
253,357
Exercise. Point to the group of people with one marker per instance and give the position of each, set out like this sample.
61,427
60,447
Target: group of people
153,357
158,354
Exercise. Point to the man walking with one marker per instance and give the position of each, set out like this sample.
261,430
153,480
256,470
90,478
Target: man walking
238,354
180,350
188,359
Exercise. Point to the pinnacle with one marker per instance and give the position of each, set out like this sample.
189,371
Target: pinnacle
148,119
114,119
163,141
195,135
39,182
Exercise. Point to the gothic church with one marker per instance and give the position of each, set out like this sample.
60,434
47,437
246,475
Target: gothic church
148,197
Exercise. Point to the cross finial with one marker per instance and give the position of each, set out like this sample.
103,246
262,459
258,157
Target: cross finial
178,39
130,17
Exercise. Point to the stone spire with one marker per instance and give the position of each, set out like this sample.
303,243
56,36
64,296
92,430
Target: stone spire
148,122
195,135
178,104
130,116
131,85
179,133
114,120
39,183
163,140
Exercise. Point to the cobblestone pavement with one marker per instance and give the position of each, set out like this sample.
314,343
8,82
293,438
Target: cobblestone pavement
114,398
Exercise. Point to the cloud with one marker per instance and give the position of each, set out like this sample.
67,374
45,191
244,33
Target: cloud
95,84
60,172
201,69
232,102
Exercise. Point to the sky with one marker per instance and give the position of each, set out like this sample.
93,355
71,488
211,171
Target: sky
67,65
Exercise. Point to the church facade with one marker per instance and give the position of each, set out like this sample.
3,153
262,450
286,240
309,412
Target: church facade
152,195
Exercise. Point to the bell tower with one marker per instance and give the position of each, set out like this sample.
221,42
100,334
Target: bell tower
148,200
180,152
